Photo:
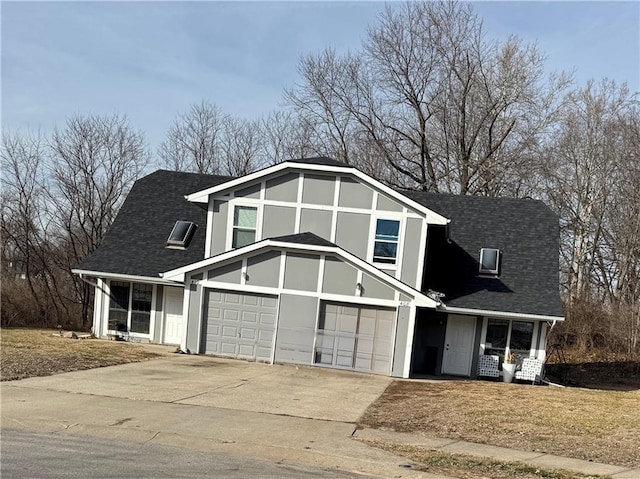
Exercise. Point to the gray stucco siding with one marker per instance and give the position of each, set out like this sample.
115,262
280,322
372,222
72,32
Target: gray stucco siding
373,288
387,204
339,277
282,188
278,221
318,189
252,191
219,231
411,251
228,273
296,329
264,269
354,194
316,221
352,233
402,330
301,271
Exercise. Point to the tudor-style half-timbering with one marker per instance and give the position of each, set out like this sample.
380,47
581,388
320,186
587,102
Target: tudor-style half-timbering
334,205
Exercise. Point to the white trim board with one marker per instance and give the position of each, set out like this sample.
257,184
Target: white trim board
124,277
420,299
203,195
498,314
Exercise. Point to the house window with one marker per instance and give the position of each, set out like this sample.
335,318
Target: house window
181,234
489,261
517,334
385,247
245,220
130,307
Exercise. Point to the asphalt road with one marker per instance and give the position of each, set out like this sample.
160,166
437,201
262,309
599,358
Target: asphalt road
34,455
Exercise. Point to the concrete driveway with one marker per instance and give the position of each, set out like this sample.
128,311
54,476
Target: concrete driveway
300,391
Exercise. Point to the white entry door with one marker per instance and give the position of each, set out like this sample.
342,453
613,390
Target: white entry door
174,321
458,345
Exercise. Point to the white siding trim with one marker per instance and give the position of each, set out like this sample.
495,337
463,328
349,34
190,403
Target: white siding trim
209,229
186,296
283,263
124,277
422,251
296,228
334,208
499,314
321,266
409,349
202,196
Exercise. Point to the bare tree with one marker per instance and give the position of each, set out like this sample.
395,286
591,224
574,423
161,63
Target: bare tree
444,108
94,162
287,136
242,146
194,141
23,227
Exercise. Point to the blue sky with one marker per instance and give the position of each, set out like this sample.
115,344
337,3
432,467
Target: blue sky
151,60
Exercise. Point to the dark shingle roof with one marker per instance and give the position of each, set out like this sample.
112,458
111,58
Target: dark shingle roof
527,233
136,242
304,238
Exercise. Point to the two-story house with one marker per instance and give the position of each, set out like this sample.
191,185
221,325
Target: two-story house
313,262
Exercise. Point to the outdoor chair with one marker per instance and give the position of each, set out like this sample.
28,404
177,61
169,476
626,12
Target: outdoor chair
531,370
488,365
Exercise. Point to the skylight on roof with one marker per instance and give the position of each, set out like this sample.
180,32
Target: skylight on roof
181,234
489,261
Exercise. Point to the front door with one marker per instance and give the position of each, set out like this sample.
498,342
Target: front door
174,326
458,345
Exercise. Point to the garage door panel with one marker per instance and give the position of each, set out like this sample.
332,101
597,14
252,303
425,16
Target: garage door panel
240,325
268,319
250,317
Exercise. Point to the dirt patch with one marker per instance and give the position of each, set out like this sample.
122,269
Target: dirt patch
42,352
596,425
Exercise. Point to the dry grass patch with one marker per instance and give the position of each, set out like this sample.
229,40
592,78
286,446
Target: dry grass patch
602,426
468,467
42,352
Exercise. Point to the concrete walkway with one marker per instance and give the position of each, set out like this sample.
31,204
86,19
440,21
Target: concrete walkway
537,459
287,414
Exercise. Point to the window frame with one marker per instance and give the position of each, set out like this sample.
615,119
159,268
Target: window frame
520,353
186,238
490,272
130,310
231,216
374,239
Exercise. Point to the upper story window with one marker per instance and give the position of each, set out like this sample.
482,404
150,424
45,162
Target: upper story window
490,261
385,248
245,221
181,234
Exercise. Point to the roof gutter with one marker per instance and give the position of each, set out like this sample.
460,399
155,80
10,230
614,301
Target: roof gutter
500,314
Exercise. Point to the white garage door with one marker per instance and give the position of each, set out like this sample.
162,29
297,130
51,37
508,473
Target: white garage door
356,337
240,325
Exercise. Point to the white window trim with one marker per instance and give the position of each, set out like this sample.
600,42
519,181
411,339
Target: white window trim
533,351
372,240
232,209
152,312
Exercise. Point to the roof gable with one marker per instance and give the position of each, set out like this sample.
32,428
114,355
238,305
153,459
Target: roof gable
325,165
